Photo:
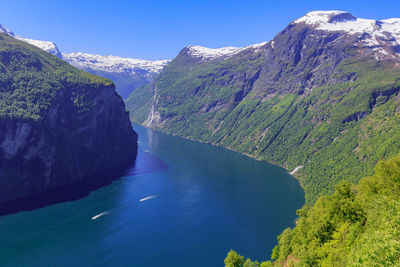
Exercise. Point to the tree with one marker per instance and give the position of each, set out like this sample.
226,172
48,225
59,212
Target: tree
233,259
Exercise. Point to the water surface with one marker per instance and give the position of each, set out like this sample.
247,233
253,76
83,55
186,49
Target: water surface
183,203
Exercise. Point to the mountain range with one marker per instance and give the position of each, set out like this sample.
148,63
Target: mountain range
312,99
321,99
127,73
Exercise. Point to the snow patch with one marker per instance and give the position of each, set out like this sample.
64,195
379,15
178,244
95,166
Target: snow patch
375,33
205,53
6,31
255,47
318,17
114,63
47,46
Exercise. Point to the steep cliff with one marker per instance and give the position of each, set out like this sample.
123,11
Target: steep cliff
322,94
57,124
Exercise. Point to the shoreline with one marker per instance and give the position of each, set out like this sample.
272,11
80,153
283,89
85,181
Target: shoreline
292,173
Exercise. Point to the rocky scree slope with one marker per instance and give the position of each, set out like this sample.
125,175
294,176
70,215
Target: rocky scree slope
322,94
57,124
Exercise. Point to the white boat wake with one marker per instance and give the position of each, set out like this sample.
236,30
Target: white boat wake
101,214
147,198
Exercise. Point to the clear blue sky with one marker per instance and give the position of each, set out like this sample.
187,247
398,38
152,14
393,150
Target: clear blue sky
150,29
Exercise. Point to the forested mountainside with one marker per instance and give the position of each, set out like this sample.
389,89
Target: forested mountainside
358,225
322,94
58,124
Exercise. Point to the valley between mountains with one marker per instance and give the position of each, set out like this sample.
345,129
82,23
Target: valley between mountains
320,99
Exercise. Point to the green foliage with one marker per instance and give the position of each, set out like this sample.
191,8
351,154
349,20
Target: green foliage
233,259
336,132
358,225
30,79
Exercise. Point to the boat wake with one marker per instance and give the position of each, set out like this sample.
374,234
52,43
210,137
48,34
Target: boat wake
147,198
101,215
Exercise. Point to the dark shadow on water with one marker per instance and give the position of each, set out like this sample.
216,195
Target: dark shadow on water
145,163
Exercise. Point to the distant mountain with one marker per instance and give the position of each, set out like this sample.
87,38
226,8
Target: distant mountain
47,46
321,97
127,73
204,54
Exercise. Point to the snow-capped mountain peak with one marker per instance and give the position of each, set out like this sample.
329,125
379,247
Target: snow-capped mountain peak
6,31
47,46
206,53
322,17
380,36
127,73
114,63
344,21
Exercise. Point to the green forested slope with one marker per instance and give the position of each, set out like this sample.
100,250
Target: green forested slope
324,100
30,79
358,225
321,99
336,132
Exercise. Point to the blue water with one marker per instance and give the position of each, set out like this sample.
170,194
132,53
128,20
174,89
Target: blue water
205,200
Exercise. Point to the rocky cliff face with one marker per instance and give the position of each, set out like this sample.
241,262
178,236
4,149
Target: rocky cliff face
309,97
57,124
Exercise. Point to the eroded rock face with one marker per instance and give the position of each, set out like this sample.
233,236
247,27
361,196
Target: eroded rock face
66,146
300,58
59,135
